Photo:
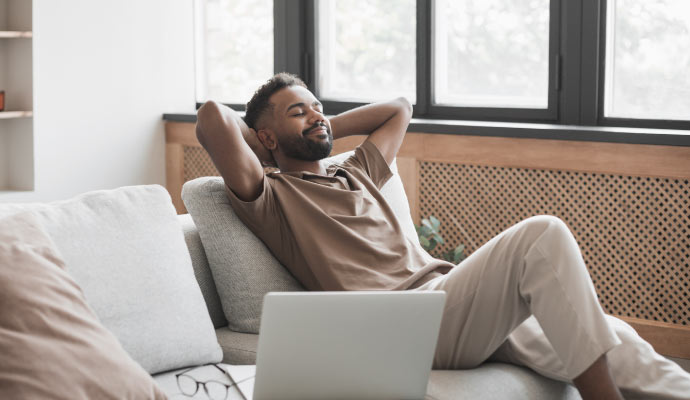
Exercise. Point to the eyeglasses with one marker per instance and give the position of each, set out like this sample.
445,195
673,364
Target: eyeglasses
215,390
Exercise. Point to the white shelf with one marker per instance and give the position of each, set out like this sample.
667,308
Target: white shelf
15,34
16,79
16,114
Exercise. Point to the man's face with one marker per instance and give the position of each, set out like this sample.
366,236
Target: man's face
302,131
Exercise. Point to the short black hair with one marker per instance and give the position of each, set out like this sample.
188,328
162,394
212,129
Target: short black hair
260,103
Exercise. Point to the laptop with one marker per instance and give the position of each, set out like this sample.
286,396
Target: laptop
347,345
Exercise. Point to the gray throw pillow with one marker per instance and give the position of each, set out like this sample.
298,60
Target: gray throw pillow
126,250
243,268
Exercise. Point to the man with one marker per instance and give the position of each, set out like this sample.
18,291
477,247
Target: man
330,226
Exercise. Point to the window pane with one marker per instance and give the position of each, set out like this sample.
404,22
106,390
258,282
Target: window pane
648,59
366,49
234,48
491,53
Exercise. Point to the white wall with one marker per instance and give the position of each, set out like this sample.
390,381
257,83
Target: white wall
104,73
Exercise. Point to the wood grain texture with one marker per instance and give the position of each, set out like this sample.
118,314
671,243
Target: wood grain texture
181,132
612,158
564,155
347,143
174,174
667,339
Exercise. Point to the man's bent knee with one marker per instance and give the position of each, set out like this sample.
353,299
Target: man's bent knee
553,237
541,223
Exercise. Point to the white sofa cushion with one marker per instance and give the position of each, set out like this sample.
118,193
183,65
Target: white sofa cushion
126,250
490,381
243,269
394,193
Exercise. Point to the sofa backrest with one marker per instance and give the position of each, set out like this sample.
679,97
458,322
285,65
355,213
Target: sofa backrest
202,272
125,250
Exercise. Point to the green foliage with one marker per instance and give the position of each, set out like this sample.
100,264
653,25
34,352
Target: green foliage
430,236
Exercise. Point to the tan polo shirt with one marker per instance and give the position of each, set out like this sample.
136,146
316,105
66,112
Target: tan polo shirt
337,232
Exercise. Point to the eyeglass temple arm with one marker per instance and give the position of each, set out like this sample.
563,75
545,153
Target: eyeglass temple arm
226,372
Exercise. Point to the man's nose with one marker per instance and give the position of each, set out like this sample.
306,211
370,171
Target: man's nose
316,116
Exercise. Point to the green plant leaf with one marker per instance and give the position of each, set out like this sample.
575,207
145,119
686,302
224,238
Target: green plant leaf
425,242
434,222
457,258
432,244
459,253
427,224
426,231
438,238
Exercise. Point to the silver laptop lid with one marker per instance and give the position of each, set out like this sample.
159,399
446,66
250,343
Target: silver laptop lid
347,345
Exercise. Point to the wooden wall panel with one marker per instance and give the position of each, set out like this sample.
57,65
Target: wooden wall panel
174,174
613,158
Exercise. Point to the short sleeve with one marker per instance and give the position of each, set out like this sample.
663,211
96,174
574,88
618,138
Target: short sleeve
258,213
368,157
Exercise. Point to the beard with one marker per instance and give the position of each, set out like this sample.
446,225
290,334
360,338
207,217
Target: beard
304,148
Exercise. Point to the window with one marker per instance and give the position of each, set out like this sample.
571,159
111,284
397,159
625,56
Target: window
491,53
647,59
588,63
234,48
366,49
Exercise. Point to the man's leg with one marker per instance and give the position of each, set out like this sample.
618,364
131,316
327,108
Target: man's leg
596,382
534,267
636,368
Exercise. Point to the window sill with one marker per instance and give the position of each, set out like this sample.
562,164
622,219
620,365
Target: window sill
668,137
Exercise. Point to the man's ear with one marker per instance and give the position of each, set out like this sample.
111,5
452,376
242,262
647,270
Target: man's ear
267,138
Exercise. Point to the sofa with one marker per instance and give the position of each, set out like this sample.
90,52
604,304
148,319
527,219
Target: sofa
177,295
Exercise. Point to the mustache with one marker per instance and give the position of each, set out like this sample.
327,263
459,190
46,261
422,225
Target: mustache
317,125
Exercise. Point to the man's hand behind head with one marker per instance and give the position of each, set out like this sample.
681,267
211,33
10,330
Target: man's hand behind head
234,148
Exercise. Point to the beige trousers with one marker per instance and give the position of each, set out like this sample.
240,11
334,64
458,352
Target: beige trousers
526,297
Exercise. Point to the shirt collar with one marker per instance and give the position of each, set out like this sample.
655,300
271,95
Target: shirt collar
331,171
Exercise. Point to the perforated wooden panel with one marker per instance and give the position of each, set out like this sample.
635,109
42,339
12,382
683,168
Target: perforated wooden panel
197,163
634,232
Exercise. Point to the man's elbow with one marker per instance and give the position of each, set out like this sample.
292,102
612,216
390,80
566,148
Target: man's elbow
204,117
207,110
405,105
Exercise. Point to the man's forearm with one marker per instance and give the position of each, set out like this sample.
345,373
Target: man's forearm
214,119
366,119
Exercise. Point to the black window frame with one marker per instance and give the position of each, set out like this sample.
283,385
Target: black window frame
577,48
425,76
617,121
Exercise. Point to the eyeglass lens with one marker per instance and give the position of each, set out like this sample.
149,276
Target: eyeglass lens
187,384
216,390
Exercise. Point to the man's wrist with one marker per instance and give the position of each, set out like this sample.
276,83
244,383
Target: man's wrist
339,127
